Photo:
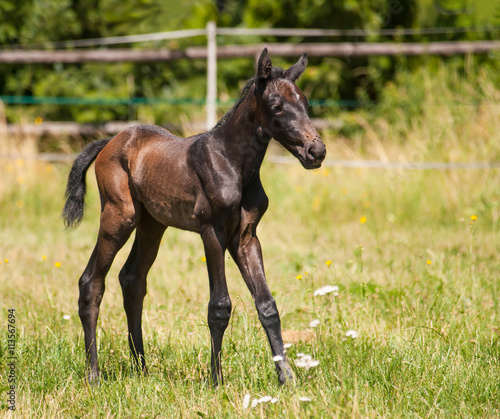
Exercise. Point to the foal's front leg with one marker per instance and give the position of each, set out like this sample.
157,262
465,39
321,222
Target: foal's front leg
247,253
219,307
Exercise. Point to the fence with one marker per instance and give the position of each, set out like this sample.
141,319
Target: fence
212,52
357,164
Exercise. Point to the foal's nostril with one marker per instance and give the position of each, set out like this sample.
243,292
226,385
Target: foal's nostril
313,153
316,151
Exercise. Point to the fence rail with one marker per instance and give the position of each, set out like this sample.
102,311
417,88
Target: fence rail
276,159
342,49
397,165
277,32
74,129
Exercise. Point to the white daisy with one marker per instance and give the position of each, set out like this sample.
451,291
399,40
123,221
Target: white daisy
314,323
327,289
351,334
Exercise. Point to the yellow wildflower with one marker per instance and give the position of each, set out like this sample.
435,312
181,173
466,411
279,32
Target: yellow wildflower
316,203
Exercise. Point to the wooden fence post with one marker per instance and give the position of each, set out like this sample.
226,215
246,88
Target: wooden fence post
211,107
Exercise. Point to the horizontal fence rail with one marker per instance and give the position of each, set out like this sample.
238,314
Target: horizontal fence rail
75,129
342,49
379,164
134,101
352,164
289,32
278,32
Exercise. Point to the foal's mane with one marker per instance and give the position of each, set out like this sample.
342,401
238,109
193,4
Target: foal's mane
230,112
276,72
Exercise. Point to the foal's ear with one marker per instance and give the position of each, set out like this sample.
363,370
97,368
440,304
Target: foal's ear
294,72
264,68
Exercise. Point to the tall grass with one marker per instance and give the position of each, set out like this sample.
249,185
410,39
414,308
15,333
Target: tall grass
417,280
427,116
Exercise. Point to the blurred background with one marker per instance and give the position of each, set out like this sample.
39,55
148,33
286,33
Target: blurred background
356,97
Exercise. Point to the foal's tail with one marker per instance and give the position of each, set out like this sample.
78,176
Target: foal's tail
76,187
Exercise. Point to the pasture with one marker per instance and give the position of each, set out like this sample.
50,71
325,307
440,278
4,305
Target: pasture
415,255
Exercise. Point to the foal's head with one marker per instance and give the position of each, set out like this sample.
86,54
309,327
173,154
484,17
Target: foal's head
282,111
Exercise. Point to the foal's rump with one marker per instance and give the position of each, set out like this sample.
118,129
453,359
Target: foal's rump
114,157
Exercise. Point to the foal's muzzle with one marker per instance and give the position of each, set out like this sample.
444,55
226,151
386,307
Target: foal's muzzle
315,152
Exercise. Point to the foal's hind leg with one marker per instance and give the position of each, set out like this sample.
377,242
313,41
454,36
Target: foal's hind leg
117,223
133,280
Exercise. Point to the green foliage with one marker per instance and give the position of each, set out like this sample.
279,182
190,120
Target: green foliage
346,14
34,22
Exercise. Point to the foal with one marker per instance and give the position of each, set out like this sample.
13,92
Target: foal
149,180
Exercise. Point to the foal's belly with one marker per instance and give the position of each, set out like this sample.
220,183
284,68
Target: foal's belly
172,211
166,185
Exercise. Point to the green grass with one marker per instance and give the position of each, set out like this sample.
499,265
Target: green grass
428,333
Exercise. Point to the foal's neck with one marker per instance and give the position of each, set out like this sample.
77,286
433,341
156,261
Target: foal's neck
242,135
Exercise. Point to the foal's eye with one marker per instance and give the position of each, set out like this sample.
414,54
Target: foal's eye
276,109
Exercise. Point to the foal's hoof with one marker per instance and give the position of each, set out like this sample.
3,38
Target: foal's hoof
215,381
94,379
286,375
141,371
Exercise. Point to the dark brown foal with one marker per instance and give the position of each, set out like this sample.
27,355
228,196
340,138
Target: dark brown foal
210,183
